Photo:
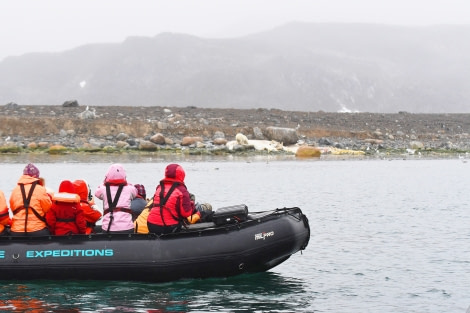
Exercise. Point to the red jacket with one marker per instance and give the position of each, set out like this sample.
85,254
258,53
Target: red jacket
91,215
178,206
66,215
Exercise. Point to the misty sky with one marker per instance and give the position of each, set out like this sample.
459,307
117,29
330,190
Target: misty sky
58,25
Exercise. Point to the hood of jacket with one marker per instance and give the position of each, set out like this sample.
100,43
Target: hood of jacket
67,186
81,189
26,179
115,175
175,172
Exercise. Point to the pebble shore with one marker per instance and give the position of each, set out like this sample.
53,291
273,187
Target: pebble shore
64,129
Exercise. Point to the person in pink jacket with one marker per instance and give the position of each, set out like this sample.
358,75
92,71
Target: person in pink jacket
117,195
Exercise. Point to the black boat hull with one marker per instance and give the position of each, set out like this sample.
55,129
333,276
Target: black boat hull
265,240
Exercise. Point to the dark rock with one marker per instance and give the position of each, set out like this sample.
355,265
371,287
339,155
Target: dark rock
131,142
11,105
324,142
70,104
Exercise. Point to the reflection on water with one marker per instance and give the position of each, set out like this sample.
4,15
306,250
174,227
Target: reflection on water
263,292
148,157
31,298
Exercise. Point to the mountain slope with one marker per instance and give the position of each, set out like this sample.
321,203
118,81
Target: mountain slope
299,66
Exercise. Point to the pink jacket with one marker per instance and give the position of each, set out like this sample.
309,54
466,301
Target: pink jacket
122,217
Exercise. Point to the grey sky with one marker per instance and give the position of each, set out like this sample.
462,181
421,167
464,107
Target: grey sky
57,25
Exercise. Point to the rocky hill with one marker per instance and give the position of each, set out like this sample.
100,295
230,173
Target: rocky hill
296,67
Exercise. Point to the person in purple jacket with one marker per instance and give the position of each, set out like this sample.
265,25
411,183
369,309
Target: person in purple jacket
117,195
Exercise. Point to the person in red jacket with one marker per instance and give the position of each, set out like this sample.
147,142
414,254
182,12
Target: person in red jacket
66,215
172,203
86,202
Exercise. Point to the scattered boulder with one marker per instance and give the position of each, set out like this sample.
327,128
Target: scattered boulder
219,141
218,134
288,136
162,125
11,105
131,142
325,142
122,137
147,145
416,145
32,145
10,147
308,152
96,143
121,144
57,149
158,139
70,104
187,141
200,145
89,147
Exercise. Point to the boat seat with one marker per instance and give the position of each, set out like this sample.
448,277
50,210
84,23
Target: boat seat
198,226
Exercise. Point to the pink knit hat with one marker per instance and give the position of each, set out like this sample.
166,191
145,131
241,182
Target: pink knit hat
31,170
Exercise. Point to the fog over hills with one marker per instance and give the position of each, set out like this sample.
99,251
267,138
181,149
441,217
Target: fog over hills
298,66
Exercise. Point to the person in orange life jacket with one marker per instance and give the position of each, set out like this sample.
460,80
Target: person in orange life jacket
139,202
29,203
66,215
5,220
91,214
117,195
172,203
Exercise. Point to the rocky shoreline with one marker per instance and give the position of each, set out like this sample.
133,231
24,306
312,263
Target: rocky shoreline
70,128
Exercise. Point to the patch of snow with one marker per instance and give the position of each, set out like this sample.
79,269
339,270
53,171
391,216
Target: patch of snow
344,109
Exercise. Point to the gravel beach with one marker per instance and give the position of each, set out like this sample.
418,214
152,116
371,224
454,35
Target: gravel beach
119,128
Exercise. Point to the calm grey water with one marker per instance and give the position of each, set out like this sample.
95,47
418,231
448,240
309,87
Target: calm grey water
387,236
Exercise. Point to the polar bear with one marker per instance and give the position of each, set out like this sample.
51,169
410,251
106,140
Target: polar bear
241,139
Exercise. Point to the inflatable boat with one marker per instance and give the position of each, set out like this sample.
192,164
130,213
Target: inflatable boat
233,243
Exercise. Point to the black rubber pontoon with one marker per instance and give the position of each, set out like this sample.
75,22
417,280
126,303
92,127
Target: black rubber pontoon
263,241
